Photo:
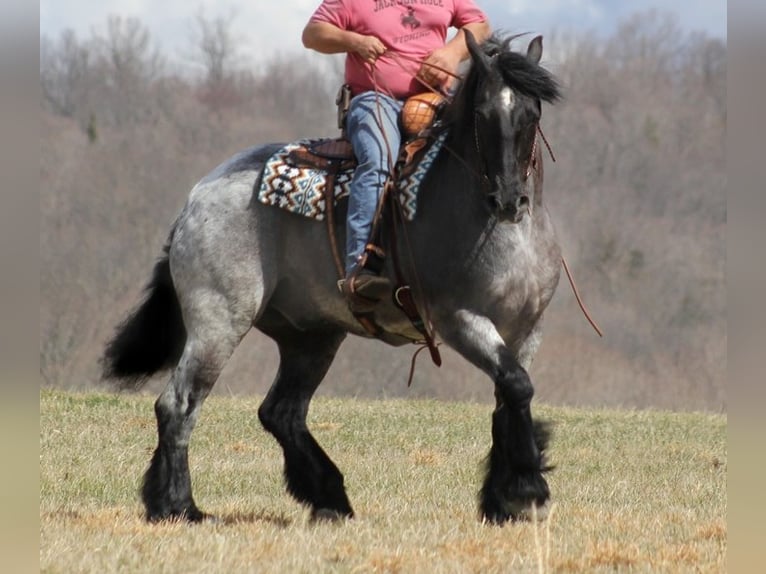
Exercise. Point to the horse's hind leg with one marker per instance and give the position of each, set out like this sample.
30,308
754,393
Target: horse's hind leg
312,478
166,491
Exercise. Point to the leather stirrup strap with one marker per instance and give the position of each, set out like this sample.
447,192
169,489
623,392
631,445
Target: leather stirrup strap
403,294
329,204
367,320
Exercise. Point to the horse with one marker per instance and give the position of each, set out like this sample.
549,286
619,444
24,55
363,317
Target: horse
488,264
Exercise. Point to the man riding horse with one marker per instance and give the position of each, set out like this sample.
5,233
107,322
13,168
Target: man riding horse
381,43
487,249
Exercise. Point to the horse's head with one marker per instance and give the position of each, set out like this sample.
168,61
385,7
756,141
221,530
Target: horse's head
501,105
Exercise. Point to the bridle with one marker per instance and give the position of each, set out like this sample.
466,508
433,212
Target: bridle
484,175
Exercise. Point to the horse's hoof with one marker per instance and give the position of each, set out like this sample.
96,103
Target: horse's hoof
328,515
518,511
524,511
210,519
193,516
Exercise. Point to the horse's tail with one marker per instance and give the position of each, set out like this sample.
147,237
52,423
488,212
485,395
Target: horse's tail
152,338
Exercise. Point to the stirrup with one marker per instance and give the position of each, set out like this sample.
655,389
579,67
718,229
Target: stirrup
371,286
363,290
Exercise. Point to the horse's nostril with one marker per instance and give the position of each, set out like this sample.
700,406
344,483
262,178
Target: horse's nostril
522,202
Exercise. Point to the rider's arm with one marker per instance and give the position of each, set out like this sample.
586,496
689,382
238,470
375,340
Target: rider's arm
450,56
480,31
328,39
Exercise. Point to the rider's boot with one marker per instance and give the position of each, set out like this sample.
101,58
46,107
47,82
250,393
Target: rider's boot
364,286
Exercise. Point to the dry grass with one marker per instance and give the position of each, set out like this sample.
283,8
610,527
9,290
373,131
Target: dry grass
638,491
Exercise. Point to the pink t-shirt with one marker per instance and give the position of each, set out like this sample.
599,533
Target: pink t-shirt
413,28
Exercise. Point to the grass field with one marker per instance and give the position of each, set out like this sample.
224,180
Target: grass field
632,491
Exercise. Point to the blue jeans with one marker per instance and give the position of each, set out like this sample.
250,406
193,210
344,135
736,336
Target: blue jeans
369,117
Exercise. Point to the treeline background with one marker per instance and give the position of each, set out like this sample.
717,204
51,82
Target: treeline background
638,193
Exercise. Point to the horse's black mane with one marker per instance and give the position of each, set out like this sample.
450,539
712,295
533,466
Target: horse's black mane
519,73
516,70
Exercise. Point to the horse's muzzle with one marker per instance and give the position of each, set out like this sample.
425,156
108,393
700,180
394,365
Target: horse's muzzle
513,211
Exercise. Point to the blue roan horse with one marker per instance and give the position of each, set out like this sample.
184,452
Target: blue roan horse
488,262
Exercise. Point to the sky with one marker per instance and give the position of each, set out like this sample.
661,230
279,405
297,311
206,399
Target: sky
265,27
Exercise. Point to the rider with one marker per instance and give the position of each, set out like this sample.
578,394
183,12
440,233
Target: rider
388,43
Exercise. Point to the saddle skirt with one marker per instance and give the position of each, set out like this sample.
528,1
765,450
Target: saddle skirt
294,179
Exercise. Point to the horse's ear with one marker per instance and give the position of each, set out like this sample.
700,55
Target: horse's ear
479,58
535,50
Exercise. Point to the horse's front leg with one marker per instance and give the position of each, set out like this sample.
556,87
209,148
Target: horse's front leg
514,482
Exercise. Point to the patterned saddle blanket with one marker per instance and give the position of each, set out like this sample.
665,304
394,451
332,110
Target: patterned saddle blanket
299,188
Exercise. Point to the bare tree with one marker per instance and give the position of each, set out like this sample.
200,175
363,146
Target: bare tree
127,51
65,69
704,72
215,48
128,64
648,46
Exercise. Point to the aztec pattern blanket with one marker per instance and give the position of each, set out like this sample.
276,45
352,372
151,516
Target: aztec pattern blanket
300,190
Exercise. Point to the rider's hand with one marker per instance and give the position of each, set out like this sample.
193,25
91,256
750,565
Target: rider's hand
445,58
369,48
